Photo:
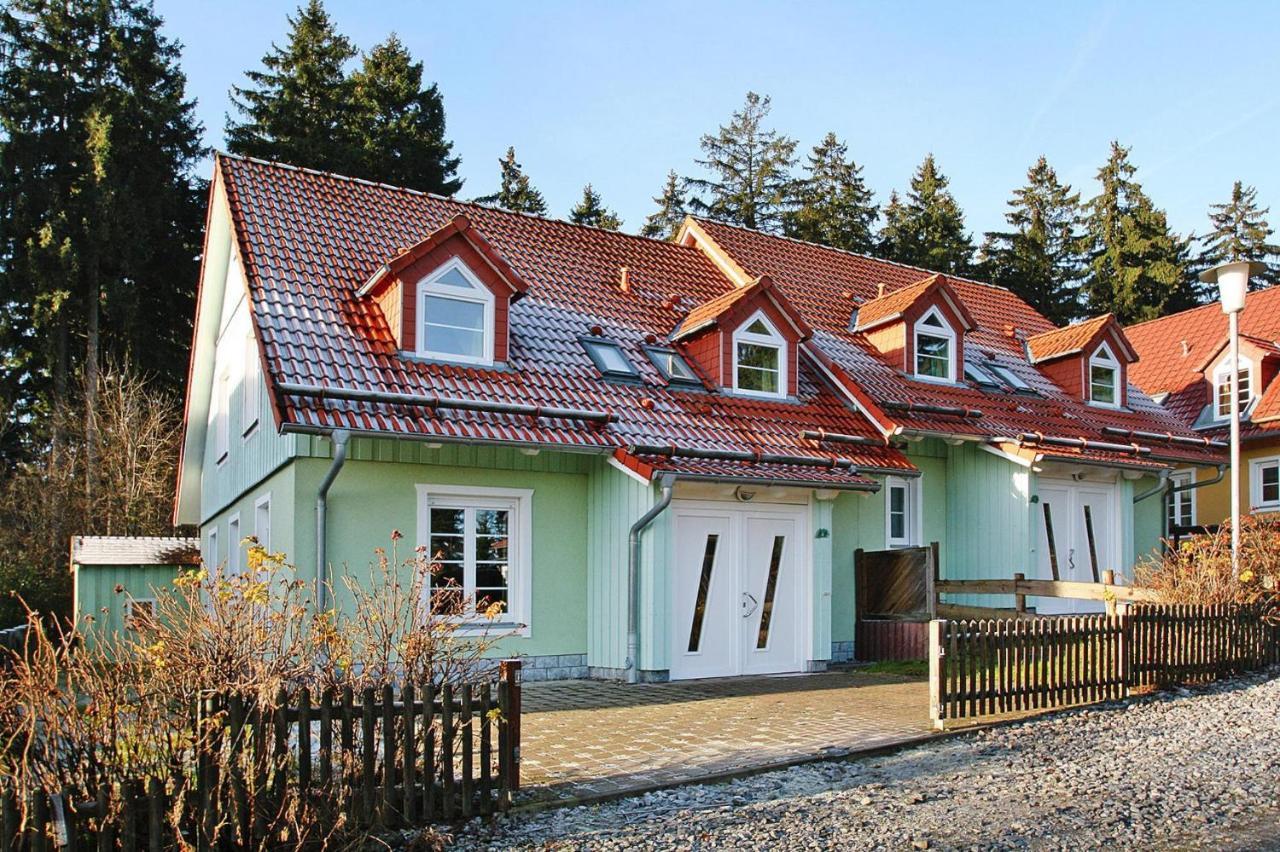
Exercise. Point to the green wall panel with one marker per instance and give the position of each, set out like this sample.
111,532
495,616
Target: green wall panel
97,598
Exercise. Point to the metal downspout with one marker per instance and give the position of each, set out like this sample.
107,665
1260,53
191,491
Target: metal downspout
633,580
1158,488
340,437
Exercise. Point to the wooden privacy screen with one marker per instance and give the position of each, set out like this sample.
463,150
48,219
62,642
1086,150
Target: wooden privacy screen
895,599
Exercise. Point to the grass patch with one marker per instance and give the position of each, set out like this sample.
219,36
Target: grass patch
907,668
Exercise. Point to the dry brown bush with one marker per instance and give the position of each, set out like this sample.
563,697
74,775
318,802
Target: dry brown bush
1198,571
85,708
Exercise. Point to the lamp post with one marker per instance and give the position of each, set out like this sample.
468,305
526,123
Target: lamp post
1233,282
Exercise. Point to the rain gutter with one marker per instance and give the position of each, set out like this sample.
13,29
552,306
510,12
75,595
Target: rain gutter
633,578
341,438
434,402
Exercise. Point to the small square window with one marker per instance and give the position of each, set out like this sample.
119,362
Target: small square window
980,376
1266,484
672,366
1010,378
609,358
139,614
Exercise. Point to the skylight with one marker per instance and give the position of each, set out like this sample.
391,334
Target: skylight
609,358
980,376
1010,378
671,365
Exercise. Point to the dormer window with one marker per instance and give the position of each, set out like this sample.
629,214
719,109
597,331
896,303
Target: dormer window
1104,377
759,358
455,315
935,346
1222,388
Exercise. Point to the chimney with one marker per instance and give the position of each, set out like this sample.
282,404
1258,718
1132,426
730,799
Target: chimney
624,280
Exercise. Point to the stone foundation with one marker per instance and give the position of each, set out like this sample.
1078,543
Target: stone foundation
646,675
554,667
842,652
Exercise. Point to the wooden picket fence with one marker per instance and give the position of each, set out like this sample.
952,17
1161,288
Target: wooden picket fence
990,667
382,758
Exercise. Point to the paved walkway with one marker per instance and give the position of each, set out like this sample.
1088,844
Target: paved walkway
584,739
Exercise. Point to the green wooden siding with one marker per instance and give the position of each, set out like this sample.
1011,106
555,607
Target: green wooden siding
1148,521
97,598
615,501
988,530
857,521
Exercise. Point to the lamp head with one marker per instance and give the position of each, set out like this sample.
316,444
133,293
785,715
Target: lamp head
1233,282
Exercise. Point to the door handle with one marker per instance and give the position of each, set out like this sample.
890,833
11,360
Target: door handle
754,603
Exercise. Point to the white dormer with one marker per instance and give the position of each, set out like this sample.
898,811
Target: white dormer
934,345
455,315
759,358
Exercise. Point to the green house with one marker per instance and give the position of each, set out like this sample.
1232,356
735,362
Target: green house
657,457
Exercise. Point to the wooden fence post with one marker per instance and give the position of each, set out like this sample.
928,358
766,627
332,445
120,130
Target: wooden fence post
931,577
937,670
509,672
1019,599
1109,579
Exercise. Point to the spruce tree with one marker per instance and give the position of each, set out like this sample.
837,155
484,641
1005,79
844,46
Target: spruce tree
515,192
834,205
665,222
1241,232
399,126
100,216
591,211
1041,257
298,109
749,181
927,230
1138,266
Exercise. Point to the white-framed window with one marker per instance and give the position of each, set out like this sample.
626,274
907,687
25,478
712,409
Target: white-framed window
222,416
1104,377
1222,388
211,550
1264,483
672,365
609,358
139,612
901,511
935,348
1182,504
251,389
455,315
262,522
759,358
480,544
235,561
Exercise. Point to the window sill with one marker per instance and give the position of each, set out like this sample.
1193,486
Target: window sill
934,380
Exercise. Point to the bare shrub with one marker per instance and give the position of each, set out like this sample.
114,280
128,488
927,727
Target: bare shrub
110,474
83,709
1198,571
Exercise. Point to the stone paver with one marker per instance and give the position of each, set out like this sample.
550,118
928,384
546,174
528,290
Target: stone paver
581,739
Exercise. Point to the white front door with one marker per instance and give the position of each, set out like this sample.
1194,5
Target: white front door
1078,539
738,590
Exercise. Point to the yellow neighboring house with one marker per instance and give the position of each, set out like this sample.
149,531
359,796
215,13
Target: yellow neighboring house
1184,363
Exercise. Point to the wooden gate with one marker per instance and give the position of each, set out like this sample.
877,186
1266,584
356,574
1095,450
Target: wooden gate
895,599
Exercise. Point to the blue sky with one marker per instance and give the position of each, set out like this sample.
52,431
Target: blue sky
617,94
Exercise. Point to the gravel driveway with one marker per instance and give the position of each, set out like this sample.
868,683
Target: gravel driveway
1187,769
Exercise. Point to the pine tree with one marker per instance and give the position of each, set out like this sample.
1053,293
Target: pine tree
516,192
665,222
398,126
1241,232
1138,267
1042,257
298,109
591,211
100,217
835,207
750,171
927,230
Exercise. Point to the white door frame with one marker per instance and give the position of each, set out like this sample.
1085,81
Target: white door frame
801,513
1114,553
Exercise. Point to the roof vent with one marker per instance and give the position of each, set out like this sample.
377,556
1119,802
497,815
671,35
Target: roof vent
1186,349
1010,330
880,290
624,279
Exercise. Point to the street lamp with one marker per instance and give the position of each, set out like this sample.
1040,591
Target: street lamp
1233,282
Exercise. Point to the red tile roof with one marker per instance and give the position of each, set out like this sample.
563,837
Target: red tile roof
310,240
891,305
1072,339
710,311
1175,349
825,285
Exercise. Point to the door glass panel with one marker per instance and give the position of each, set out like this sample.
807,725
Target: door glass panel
1093,547
770,589
1053,547
704,588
